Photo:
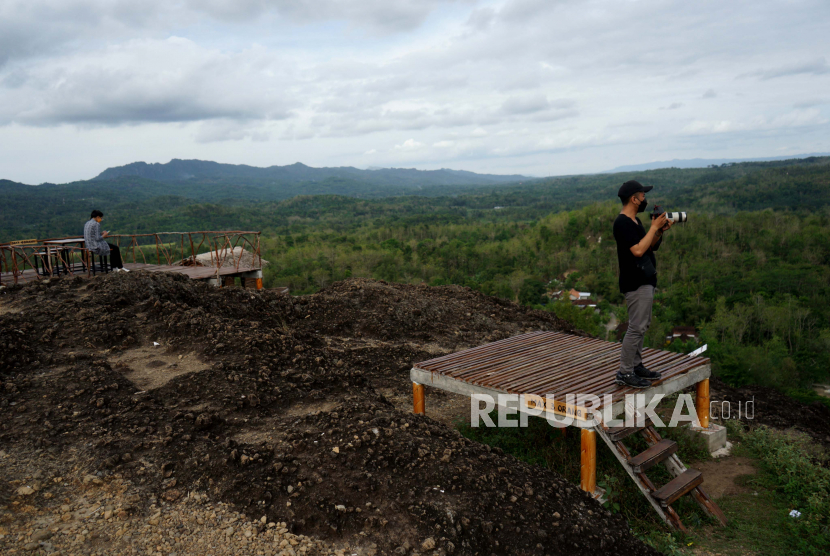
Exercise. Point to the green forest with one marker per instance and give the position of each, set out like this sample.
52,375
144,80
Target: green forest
757,283
750,269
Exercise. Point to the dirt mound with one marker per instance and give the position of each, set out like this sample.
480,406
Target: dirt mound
276,407
772,408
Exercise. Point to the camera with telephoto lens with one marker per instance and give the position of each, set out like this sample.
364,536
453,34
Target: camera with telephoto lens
673,216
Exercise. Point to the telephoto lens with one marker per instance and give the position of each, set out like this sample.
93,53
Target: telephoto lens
676,216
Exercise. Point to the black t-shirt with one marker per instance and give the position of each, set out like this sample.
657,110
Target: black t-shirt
627,233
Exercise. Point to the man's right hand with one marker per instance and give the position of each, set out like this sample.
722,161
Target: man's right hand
659,222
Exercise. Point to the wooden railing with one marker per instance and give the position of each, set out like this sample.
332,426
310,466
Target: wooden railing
37,259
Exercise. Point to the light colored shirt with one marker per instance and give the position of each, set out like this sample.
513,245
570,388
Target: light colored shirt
93,239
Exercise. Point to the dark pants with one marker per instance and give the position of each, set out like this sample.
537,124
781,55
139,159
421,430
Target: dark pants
639,318
115,256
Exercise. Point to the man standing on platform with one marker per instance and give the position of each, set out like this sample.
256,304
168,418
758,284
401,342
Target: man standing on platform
638,278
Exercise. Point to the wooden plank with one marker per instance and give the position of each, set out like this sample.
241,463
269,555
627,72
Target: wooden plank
677,487
618,433
225,270
709,505
542,363
653,455
427,378
675,384
641,484
676,468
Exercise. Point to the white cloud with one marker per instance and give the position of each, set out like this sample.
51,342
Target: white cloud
528,86
698,127
229,130
816,66
409,145
792,119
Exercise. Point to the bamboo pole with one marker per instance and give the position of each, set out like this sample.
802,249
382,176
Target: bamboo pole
419,407
588,466
702,403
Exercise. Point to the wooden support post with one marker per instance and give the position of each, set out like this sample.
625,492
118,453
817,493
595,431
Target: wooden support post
229,281
418,399
702,403
588,468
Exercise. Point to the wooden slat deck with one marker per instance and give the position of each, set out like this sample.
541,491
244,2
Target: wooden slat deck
193,272
554,364
540,369
27,275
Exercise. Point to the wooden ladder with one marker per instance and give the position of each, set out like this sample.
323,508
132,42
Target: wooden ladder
660,450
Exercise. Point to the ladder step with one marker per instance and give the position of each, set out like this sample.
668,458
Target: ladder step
654,455
677,487
618,433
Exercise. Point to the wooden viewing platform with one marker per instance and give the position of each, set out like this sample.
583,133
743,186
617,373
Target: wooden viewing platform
192,272
544,368
216,257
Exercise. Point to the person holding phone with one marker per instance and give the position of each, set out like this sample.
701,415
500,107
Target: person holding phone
94,241
638,279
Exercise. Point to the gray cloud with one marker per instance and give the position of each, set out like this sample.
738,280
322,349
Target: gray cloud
481,19
525,104
809,103
31,28
344,81
142,82
380,16
817,66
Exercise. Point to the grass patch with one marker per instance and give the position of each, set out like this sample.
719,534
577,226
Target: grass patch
757,525
796,469
807,396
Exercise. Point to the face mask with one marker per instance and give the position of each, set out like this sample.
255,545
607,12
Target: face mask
642,207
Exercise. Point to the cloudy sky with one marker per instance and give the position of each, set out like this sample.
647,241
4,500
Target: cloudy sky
538,87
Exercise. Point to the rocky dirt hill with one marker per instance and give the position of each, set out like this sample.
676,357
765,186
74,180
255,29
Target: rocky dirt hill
260,424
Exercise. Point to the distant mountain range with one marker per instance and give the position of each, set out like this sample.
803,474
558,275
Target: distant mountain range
702,162
215,196
199,170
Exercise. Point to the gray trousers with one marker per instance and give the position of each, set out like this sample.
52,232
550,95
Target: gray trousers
639,318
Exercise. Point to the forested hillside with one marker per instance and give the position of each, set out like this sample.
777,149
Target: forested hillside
751,268
204,170
134,204
758,283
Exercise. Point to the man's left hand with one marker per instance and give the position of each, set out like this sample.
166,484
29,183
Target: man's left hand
669,224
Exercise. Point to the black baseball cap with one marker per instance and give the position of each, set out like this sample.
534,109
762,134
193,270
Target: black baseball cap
631,187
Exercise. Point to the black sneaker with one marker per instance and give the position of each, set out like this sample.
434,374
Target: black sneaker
631,380
642,372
